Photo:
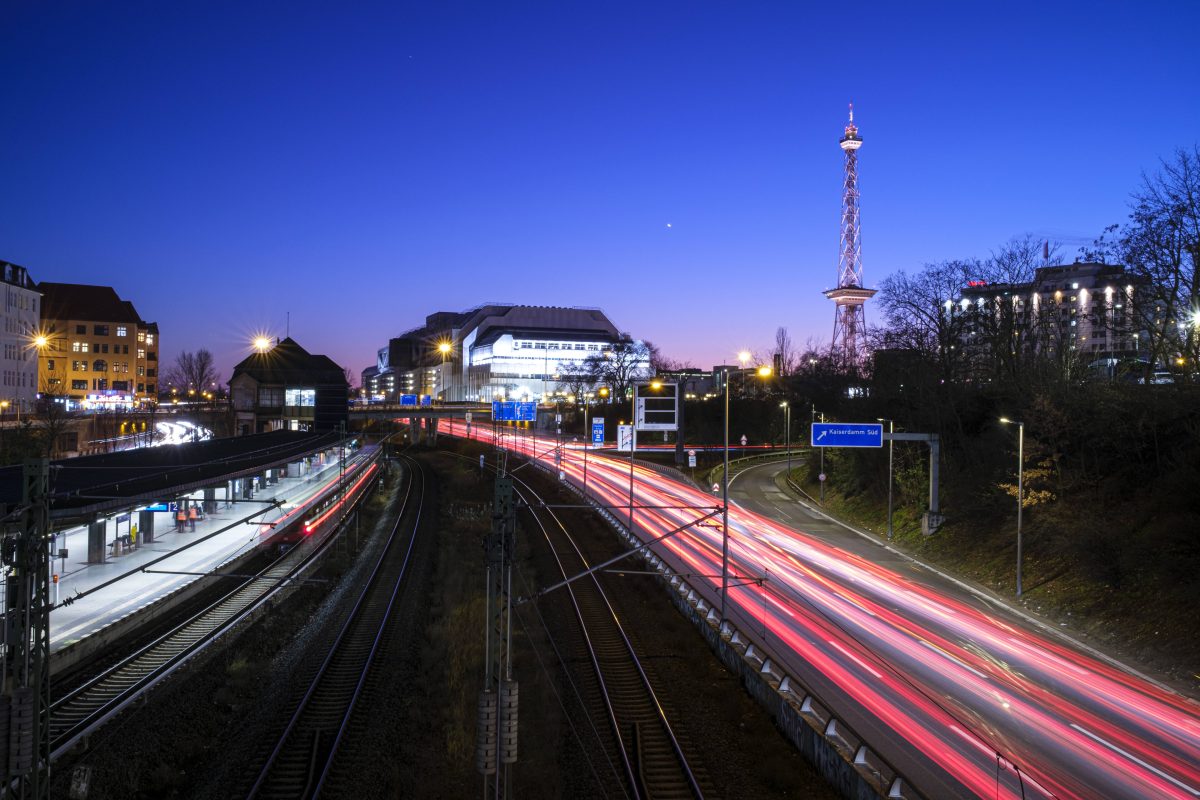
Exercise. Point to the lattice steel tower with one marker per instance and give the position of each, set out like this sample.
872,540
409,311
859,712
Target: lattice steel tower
849,317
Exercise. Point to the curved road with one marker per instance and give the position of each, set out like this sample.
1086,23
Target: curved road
964,697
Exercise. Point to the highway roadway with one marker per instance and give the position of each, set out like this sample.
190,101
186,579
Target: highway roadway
963,697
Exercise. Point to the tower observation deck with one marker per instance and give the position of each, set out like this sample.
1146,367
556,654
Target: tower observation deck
849,316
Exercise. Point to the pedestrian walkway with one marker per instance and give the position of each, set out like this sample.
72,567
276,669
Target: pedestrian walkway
89,597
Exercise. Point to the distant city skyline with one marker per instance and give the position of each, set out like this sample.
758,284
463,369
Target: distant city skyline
677,165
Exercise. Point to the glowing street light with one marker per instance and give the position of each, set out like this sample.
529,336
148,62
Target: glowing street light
787,436
891,444
1020,488
262,344
725,497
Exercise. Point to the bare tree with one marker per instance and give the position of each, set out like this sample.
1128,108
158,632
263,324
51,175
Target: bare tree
195,371
785,351
1160,246
619,366
1016,260
575,378
919,315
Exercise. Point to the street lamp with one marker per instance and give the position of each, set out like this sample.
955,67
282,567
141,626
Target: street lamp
1020,488
891,444
262,344
821,476
787,436
763,372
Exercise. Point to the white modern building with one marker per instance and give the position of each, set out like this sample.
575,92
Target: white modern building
498,351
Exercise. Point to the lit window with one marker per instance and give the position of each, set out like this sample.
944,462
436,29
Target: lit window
142,353
149,338
122,330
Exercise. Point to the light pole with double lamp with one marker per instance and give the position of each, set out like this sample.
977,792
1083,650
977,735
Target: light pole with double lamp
891,444
763,372
1020,488
787,435
821,477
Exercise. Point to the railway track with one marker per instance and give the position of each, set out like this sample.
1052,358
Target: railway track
301,762
90,705
641,737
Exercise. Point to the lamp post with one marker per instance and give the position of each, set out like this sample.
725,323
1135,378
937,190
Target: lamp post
1020,488
891,444
444,349
763,372
821,480
787,436
725,509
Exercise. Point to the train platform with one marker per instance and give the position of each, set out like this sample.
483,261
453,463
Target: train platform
89,597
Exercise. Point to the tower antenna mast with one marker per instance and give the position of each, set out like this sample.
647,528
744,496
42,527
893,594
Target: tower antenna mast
849,316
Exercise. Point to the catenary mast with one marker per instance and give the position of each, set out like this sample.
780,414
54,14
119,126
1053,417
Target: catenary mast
849,316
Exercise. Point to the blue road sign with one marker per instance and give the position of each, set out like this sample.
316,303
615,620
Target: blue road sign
504,411
408,399
847,434
526,412
426,400
598,430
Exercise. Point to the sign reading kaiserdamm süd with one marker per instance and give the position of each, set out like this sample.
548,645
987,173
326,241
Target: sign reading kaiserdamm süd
847,434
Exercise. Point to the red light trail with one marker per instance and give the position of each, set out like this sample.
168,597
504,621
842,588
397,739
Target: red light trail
965,702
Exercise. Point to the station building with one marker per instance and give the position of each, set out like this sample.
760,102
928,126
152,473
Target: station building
99,353
493,351
287,388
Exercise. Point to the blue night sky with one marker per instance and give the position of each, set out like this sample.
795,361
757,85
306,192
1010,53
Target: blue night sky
361,165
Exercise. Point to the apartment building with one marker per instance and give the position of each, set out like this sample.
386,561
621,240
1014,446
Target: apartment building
99,352
18,335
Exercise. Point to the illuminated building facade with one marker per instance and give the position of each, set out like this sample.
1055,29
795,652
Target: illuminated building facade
1086,309
99,352
495,351
18,360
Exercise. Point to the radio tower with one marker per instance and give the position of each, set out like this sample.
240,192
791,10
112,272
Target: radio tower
849,317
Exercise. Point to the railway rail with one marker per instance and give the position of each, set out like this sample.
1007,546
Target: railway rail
645,744
97,700
301,763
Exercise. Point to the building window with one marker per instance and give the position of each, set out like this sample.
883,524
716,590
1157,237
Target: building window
151,356
150,373
141,371
300,397
270,396
79,385
141,337
100,330
122,330
149,338
50,363
79,366
142,353
81,329
99,365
